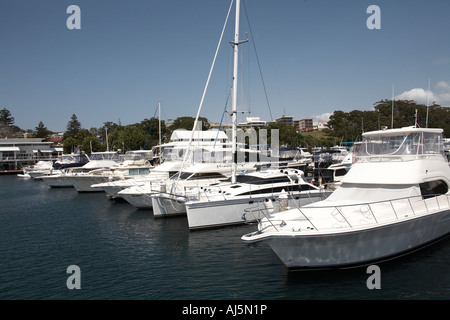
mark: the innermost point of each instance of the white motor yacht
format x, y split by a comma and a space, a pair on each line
226, 203
210, 150
70, 160
97, 160
41, 168
172, 190
171, 160
134, 164
193, 180
394, 200
159, 173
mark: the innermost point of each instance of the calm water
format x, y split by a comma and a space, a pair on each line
124, 253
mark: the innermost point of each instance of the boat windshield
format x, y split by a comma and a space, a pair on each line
173, 154
402, 144
72, 158
200, 155
138, 155
104, 156
249, 179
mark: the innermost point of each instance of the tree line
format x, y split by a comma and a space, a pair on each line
115, 136
349, 126
344, 126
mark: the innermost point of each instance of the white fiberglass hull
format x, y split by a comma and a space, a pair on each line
359, 247
230, 212
84, 183
57, 181
37, 174
113, 188
164, 206
138, 200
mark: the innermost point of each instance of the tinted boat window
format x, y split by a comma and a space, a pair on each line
257, 180
432, 188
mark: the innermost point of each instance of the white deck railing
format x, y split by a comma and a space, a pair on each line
357, 215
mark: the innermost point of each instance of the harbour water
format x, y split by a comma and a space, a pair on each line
124, 253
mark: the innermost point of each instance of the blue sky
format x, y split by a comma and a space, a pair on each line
315, 57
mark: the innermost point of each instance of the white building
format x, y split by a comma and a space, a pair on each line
252, 122
320, 125
16, 153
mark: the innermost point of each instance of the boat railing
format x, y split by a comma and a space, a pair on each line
394, 157
357, 215
257, 213
213, 192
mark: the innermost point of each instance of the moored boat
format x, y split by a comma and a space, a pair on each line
394, 200
226, 203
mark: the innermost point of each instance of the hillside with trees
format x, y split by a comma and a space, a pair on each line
344, 127
348, 126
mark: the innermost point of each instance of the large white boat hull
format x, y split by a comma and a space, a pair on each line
113, 189
57, 181
168, 206
84, 183
230, 212
138, 200
363, 247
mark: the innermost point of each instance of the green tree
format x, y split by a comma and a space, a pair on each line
286, 133
150, 127
130, 137
70, 145
6, 118
188, 123
41, 131
73, 127
7, 127
348, 126
91, 143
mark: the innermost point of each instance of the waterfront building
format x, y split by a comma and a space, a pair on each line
304, 125
16, 153
251, 122
286, 119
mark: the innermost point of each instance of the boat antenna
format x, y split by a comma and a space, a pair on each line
159, 115
428, 102
107, 143
151, 124
392, 118
415, 124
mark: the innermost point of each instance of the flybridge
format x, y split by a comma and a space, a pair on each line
210, 135
409, 141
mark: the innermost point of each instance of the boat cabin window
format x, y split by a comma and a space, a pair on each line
104, 156
340, 172
138, 155
257, 180
197, 175
433, 188
399, 144
138, 171
216, 155
172, 153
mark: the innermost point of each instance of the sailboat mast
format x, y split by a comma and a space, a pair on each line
107, 143
159, 116
234, 93
392, 117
